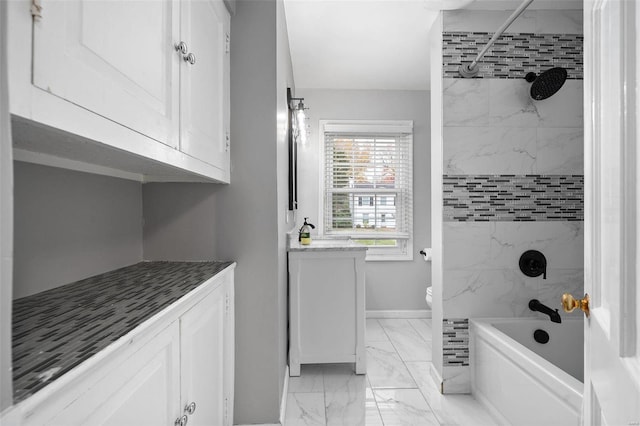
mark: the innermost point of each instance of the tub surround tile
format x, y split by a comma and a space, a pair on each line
465, 245
456, 380
558, 282
465, 102
559, 151
510, 104
56, 330
487, 293
506, 103
512, 55
305, 409
401, 407
407, 342
513, 150
564, 109
385, 368
513, 198
560, 242
455, 342
489, 150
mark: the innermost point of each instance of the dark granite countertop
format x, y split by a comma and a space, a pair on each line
56, 330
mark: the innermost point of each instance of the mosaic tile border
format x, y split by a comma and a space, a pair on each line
56, 330
455, 342
497, 198
513, 55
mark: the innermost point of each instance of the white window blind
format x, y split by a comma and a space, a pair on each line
368, 189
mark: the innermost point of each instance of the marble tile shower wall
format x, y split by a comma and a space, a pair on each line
495, 135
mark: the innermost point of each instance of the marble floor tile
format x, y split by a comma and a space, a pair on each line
392, 392
385, 369
423, 327
310, 379
305, 409
409, 344
375, 333
372, 414
450, 410
402, 407
345, 398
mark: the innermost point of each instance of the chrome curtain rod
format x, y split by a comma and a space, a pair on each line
472, 69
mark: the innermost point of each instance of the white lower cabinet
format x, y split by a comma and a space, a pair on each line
204, 362
143, 390
176, 374
327, 307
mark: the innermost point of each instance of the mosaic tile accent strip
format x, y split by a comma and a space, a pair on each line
506, 198
56, 330
455, 342
513, 55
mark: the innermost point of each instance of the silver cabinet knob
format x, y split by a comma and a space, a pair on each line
181, 421
191, 58
181, 47
190, 409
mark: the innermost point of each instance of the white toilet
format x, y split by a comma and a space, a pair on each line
429, 295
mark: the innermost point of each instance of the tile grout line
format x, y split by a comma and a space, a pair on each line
375, 400
411, 374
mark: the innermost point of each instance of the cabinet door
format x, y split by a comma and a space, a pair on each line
142, 390
115, 58
202, 359
229, 351
204, 85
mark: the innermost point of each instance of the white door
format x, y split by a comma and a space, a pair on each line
142, 390
202, 360
115, 58
612, 222
204, 83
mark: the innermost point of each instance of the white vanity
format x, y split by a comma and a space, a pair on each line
327, 304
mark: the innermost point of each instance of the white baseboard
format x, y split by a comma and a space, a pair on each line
437, 378
285, 392
418, 313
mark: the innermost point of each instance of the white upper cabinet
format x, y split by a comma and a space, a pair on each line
98, 85
114, 58
204, 82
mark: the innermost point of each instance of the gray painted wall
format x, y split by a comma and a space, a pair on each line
179, 221
286, 220
6, 224
399, 285
71, 225
247, 222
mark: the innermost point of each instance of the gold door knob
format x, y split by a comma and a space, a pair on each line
570, 303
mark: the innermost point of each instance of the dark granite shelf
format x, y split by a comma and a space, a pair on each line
56, 330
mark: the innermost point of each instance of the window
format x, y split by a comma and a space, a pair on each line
367, 178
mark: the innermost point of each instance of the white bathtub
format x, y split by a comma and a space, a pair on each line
523, 382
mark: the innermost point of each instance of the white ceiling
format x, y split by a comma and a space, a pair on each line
360, 44
373, 44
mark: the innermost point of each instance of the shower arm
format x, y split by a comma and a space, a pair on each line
472, 69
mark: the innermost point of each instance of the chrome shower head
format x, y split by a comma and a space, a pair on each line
546, 84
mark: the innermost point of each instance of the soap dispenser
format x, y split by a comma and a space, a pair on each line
304, 236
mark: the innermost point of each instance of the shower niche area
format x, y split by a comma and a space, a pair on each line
507, 172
